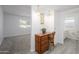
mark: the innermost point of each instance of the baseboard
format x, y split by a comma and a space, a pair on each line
32, 50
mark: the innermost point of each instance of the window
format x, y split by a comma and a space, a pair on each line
69, 23
23, 24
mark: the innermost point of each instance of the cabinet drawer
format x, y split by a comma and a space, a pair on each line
44, 42
44, 47
44, 38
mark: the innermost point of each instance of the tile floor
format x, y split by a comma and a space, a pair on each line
15, 45
69, 47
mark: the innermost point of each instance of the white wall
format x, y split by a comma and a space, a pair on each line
59, 27
12, 25
49, 22
77, 22
1, 25
35, 28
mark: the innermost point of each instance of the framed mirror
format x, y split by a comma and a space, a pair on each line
41, 18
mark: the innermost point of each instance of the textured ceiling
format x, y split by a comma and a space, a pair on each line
56, 7
22, 10
25, 10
